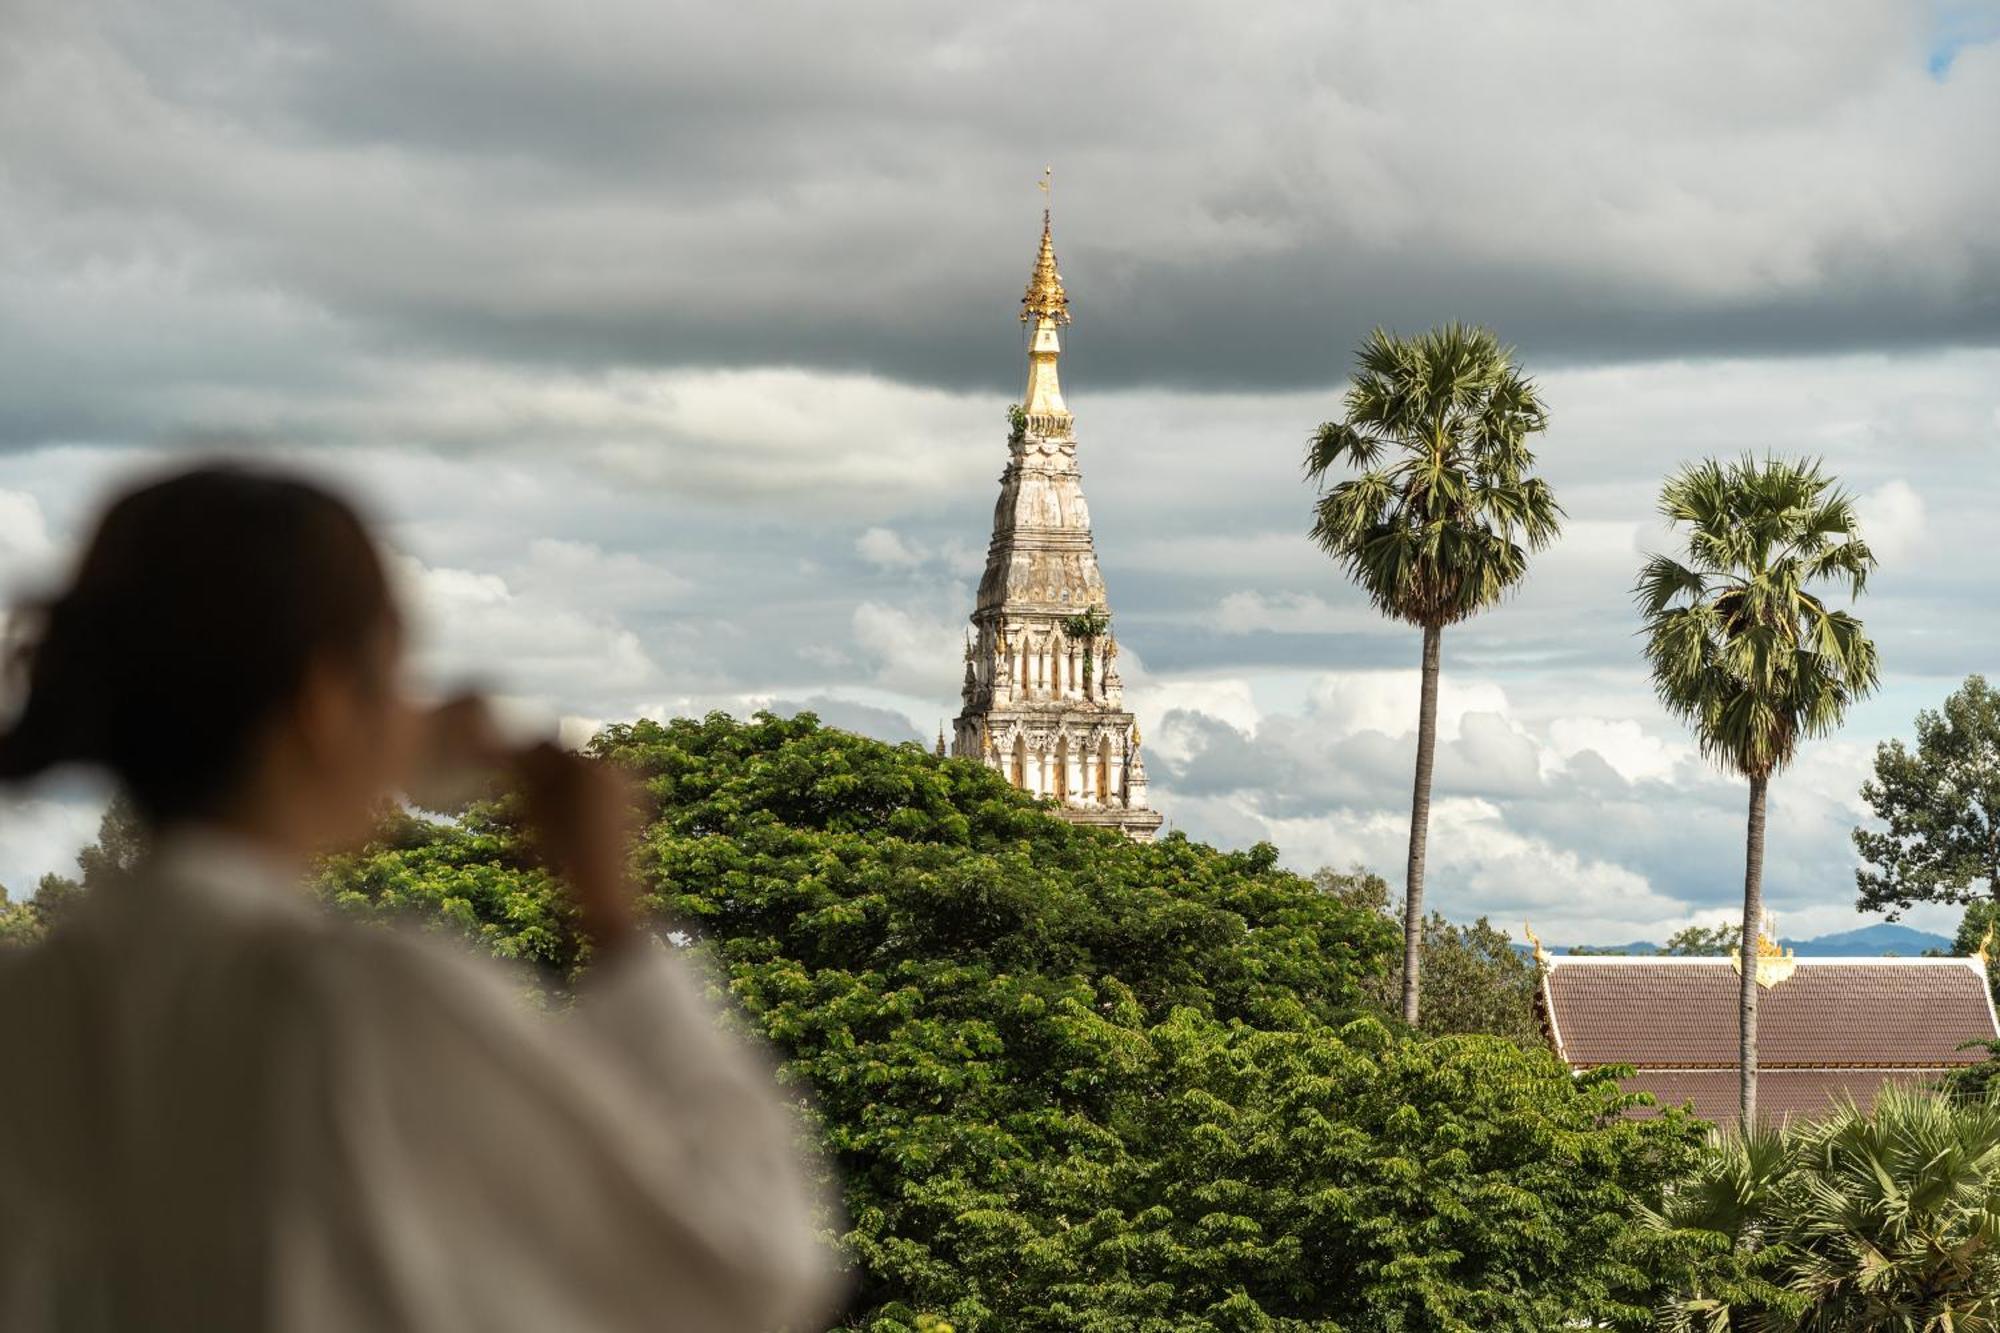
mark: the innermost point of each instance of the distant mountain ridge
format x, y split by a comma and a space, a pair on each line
1883, 939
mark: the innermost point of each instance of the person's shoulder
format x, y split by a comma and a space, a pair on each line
32, 969
415, 976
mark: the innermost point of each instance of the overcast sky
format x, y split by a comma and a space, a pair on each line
672, 344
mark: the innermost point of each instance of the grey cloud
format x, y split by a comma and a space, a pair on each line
1656, 850
682, 184
525, 273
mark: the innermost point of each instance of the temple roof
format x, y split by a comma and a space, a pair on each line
1782, 1094
1833, 1026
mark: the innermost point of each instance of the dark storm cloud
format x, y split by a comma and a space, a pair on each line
1241, 194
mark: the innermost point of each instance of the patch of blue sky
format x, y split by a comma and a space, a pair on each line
1956, 25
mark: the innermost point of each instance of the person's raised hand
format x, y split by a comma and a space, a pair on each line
460, 755
582, 817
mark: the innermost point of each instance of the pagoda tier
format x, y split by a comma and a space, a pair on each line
1043, 701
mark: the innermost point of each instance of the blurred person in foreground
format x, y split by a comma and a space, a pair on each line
224, 1110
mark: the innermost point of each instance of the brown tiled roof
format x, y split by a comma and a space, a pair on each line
1782, 1094
1890, 1013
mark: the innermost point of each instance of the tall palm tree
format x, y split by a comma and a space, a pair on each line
1440, 519
1744, 651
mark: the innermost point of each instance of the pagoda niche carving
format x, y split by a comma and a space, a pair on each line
1043, 701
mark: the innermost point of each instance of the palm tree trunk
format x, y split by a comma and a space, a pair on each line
1420, 825
1753, 922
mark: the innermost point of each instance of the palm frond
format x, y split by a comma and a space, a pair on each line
1440, 519
1739, 644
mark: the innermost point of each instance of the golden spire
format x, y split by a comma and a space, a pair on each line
1046, 307
1774, 963
1541, 954
1984, 953
1045, 298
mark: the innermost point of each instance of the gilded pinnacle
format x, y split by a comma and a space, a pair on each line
1774, 963
1045, 298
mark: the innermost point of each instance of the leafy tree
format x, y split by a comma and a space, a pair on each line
1880, 1221
1743, 649
474, 877
1359, 888
18, 923
1476, 980
1979, 931
56, 896
1703, 942
121, 839
1440, 519
1975, 1083
1940, 809
1980, 918
1069, 1082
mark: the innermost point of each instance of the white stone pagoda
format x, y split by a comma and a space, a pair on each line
1043, 700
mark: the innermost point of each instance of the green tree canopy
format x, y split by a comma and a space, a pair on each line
1703, 942
120, 841
1939, 807
1476, 981
1069, 1082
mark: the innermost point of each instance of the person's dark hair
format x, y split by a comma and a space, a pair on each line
200, 604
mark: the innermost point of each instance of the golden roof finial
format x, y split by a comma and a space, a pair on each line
1541, 954
1045, 297
1984, 953
1045, 308
1774, 963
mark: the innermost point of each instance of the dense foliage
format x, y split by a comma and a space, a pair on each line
1939, 809
1067, 1082
119, 843
1975, 1083
1475, 980
1703, 942
1885, 1221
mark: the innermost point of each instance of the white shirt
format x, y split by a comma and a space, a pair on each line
221, 1109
